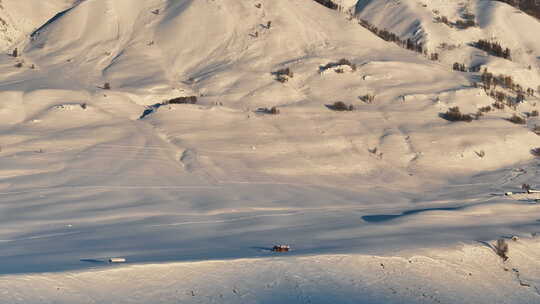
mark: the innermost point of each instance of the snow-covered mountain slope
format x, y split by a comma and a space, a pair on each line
155, 44
497, 21
19, 18
88, 173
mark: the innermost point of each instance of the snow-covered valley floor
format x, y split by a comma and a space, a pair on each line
464, 274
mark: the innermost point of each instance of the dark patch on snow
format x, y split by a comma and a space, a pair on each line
388, 217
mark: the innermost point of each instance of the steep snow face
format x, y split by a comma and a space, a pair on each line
20, 18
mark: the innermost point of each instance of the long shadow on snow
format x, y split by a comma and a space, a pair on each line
378, 218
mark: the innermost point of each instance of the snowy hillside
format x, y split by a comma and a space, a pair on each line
19, 18
494, 20
182, 131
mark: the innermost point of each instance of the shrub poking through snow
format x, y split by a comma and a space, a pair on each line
107, 86
368, 98
375, 152
283, 75
340, 106
501, 248
344, 61
536, 152
272, 111
183, 100
485, 109
517, 120
477, 115
498, 105
338, 64
459, 67
454, 114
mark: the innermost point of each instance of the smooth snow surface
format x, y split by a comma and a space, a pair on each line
84, 178
471, 274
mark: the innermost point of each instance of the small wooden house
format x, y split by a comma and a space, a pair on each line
281, 248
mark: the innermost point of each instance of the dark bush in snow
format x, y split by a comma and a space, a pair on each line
485, 109
368, 98
340, 62
501, 248
454, 114
183, 100
498, 105
517, 120
283, 75
272, 110
340, 106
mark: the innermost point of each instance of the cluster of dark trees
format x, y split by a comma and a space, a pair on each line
459, 67
505, 81
463, 68
328, 3
531, 7
501, 98
494, 48
461, 24
491, 83
391, 37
